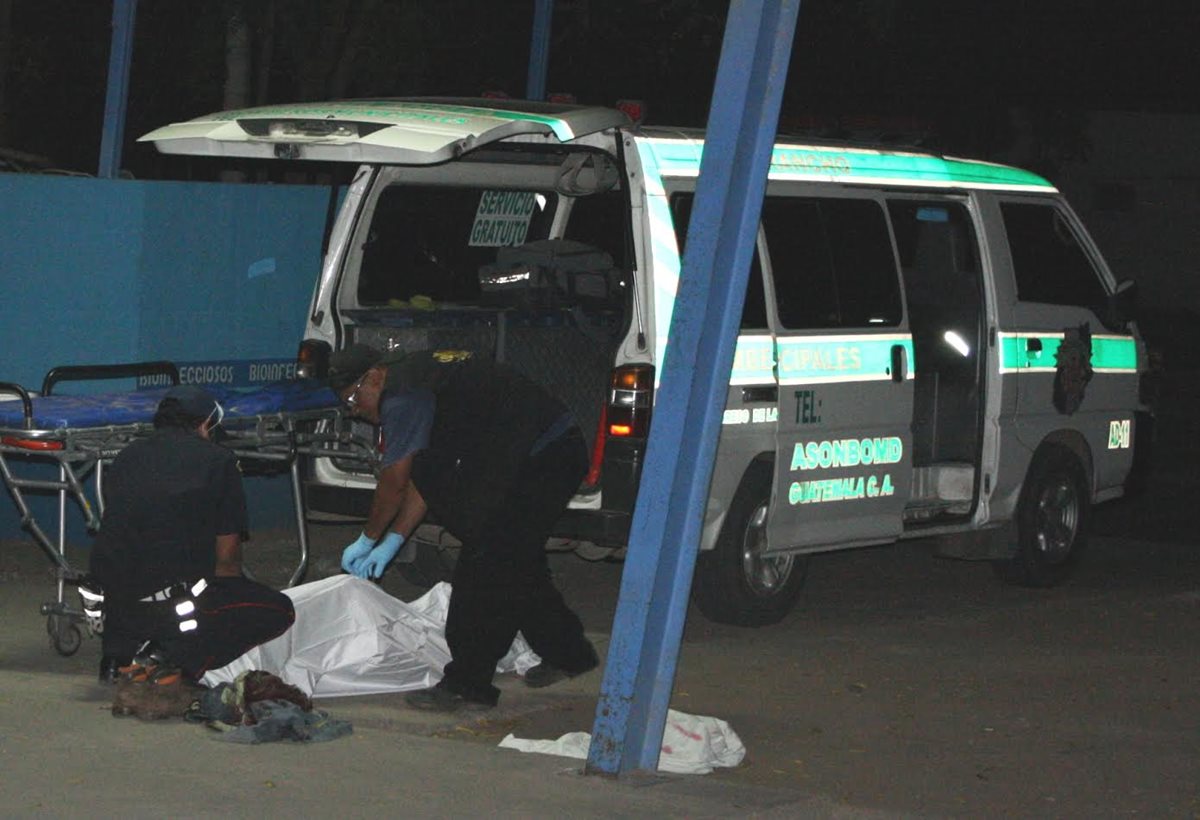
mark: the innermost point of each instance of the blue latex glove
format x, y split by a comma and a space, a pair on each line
376, 561
356, 552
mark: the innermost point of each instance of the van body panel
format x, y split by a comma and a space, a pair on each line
1072, 374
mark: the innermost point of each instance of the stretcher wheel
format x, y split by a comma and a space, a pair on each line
65, 636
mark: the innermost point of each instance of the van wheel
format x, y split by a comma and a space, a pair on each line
735, 583
1052, 517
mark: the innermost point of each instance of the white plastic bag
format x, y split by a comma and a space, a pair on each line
692, 744
352, 638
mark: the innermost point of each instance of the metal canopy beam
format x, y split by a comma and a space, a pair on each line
116, 99
665, 534
539, 50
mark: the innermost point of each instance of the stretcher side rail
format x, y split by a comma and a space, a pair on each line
61, 619
283, 438
97, 372
23, 394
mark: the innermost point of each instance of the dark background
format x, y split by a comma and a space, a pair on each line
947, 74
1026, 82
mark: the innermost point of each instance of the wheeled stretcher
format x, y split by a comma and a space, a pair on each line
276, 424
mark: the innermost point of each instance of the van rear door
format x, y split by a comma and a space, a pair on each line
416, 131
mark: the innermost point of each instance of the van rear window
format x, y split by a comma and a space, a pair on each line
431, 241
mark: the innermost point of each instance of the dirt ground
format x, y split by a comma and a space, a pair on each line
903, 683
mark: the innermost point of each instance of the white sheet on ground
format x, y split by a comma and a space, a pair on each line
352, 638
692, 744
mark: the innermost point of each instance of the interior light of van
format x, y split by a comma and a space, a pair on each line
540, 199
957, 342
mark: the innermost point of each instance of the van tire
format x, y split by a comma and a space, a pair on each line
734, 584
1052, 521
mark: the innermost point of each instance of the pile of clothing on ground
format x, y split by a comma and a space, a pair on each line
256, 707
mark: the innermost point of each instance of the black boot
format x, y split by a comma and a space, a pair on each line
110, 668
150, 661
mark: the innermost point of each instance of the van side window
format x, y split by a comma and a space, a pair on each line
1049, 264
832, 263
754, 311
431, 241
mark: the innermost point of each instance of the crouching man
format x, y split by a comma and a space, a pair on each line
169, 553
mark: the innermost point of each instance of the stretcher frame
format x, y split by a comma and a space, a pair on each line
281, 438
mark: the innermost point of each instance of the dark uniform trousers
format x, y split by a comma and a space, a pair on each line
233, 615
502, 585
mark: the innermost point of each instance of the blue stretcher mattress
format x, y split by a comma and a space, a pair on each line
112, 409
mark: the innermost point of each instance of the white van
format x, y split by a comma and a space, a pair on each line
929, 346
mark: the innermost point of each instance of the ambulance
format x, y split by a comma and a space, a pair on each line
930, 347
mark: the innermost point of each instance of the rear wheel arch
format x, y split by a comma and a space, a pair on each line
1076, 444
1052, 518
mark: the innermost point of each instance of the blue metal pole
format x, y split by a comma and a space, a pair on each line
539, 50
665, 534
117, 97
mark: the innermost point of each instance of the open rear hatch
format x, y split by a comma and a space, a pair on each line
414, 131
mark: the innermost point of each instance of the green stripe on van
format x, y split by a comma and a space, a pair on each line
753, 361
556, 124
850, 358
682, 158
1110, 354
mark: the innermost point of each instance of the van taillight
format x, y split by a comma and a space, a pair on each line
312, 359
630, 398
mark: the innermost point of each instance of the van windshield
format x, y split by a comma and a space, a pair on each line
431, 241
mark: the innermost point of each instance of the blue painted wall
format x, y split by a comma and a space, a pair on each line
104, 271
68, 267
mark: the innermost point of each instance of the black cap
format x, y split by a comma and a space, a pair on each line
346, 366
193, 400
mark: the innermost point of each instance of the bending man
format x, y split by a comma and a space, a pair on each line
495, 459
172, 532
